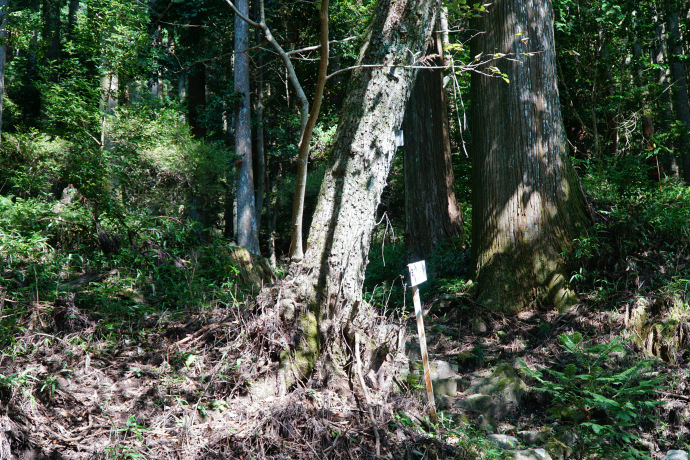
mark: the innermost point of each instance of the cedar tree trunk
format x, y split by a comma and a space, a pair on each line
527, 204
431, 211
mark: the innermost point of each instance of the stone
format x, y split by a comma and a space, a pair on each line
479, 326
497, 393
461, 420
676, 455
558, 450
536, 436
569, 438
504, 441
477, 403
445, 303
532, 454
486, 423
445, 387
441, 370
443, 402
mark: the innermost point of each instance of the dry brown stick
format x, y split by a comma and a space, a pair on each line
200, 332
366, 396
674, 395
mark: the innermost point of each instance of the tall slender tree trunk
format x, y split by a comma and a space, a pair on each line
259, 150
680, 91
611, 107
72, 10
329, 279
655, 171
4, 5
527, 204
431, 210
659, 57
247, 220
31, 109
51, 55
51, 30
196, 99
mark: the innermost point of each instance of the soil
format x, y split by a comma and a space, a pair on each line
181, 388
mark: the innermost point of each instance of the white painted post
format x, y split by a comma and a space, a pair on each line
418, 276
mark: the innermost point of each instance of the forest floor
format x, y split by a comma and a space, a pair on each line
174, 387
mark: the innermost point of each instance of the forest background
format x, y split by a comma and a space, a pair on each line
135, 169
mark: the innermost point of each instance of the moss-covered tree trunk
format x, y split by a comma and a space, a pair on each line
527, 203
329, 279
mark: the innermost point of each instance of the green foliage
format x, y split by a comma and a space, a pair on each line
157, 164
450, 259
467, 441
642, 230
384, 284
598, 391
30, 162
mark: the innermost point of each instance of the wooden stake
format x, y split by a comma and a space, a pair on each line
425, 357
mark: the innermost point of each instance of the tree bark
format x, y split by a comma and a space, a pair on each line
196, 99
72, 10
329, 279
659, 57
247, 221
31, 97
527, 204
610, 107
51, 30
259, 151
431, 210
305, 140
4, 5
680, 91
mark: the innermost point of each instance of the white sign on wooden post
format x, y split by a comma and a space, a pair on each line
417, 273
418, 276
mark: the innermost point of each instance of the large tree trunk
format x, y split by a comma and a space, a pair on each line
329, 279
247, 220
680, 91
431, 210
527, 203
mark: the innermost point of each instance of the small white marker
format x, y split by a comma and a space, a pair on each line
399, 138
418, 276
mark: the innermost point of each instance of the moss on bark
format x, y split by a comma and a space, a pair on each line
297, 363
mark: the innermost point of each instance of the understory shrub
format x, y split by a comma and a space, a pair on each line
600, 397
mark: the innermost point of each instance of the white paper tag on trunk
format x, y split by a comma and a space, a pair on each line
417, 273
399, 138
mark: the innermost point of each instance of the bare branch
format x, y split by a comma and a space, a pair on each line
242, 16
315, 47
